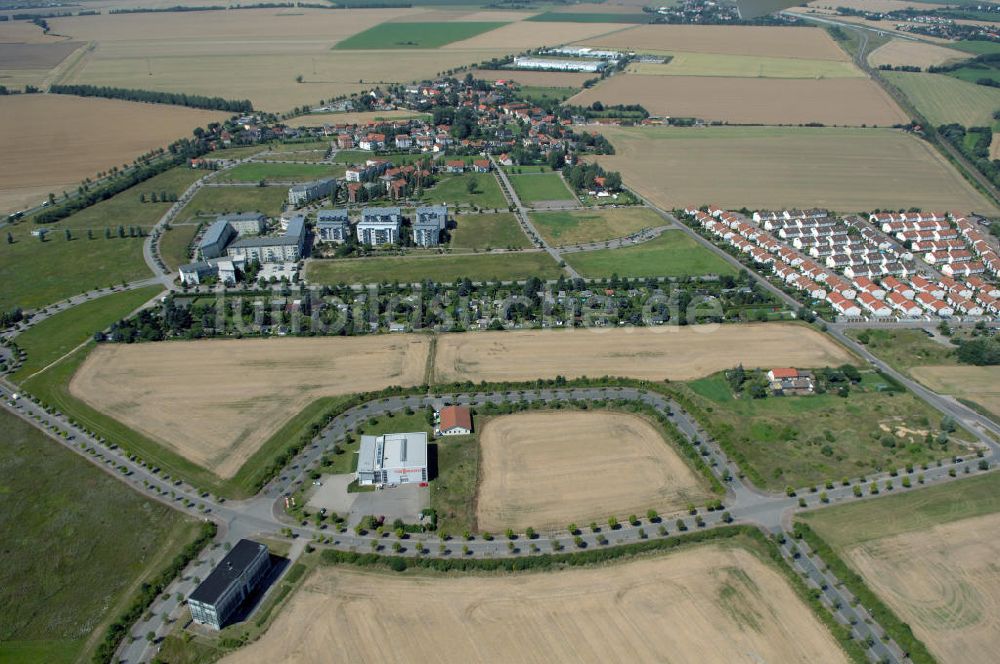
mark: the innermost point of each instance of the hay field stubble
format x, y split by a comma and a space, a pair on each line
215, 402
776, 42
677, 353
783, 167
52, 142
663, 608
548, 469
751, 100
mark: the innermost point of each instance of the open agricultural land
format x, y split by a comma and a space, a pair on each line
746, 66
980, 385
36, 273
66, 526
236, 394
52, 142
320, 119
746, 100
930, 556
672, 254
675, 353
582, 226
806, 440
914, 54
283, 57
786, 167
518, 265
546, 469
483, 232
773, 42
722, 595
943, 99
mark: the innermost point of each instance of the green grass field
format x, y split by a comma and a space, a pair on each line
973, 74
77, 543
35, 273
539, 94
904, 349
237, 153
255, 172
976, 47
849, 525
743, 66
454, 189
218, 200
801, 441
488, 231
361, 156
415, 35
54, 337
446, 269
673, 254
543, 187
944, 99
576, 227
174, 244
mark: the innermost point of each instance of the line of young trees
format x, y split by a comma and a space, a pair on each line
156, 97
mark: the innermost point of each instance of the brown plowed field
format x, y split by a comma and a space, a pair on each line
677, 353
216, 402
745, 100
548, 469
705, 605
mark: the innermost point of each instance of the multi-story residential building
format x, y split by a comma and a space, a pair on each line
301, 194
213, 242
273, 249
333, 225
245, 223
428, 222
380, 225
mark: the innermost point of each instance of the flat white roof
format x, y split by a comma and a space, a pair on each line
393, 451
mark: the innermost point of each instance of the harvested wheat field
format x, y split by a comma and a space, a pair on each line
530, 34
995, 147
877, 5
548, 469
978, 384
216, 402
944, 582
52, 142
777, 42
781, 168
915, 54
677, 353
750, 100
704, 605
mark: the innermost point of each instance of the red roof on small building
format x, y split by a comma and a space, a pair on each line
456, 417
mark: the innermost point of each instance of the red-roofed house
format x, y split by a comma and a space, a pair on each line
782, 373
455, 421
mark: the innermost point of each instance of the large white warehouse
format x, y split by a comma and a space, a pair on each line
395, 458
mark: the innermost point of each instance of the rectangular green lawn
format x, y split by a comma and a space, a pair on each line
488, 231
77, 543
540, 187
35, 273
256, 172
454, 190
58, 335
415, 35
174, 244
219, 200
673, 254
444, 269
580, 226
